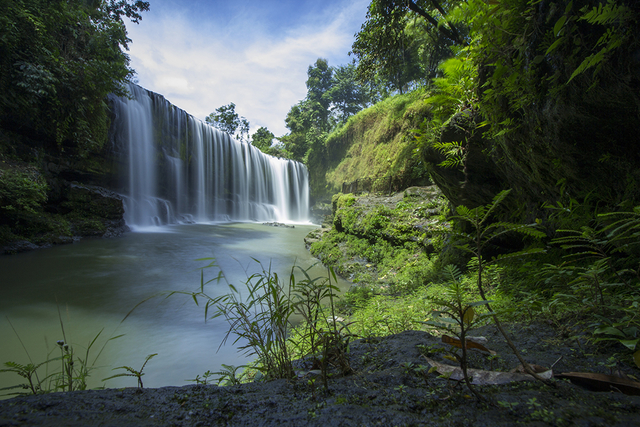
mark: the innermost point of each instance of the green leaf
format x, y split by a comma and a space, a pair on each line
469, 314
609, 331
559, 25
630, 344
589, 62
477, 303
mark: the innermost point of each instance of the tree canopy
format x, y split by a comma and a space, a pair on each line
262, 139
333, 95
58, 62
227, 120
402, 42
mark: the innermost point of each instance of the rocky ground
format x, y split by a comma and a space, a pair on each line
389, 386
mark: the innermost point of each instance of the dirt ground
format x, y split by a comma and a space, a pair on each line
390, 386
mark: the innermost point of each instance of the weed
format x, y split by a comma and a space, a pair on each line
264, 321
131, 372
204, 379
28, 372
459, 317
401, 388
74, 370
324, 334
228, 375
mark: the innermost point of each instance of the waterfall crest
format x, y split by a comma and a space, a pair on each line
176, 169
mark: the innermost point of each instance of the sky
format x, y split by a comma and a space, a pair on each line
203, 54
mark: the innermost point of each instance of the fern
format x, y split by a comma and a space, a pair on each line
613, 15
453, 151
454, 93
484, 232
131, 372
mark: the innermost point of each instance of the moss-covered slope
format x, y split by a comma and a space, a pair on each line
381, 241
378, 141
47, 197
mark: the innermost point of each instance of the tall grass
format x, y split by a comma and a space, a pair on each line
263, 320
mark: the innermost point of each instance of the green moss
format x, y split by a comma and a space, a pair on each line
377, 141
391, 248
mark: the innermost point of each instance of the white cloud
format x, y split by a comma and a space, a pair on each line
200, 68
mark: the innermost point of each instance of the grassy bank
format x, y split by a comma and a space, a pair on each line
396, 251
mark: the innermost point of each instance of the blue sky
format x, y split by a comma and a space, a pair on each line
204, 54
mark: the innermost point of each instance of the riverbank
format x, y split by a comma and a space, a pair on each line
388, 387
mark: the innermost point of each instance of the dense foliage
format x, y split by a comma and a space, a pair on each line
541, 98
402, 42
333, 95
59, 60
559, 92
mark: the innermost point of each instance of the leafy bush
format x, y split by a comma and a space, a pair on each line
22, 191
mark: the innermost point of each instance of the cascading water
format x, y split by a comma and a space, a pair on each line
179, 169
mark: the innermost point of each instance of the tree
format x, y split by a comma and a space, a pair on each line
262, 139
319, 82
333, 95
58, 62
227, 120
298, 121
346, 94
403, 41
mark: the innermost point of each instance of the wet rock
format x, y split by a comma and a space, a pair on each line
19, 246
278, 224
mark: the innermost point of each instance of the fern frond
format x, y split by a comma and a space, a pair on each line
518, 254
495, 203
507, 227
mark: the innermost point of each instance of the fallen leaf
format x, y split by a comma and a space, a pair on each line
481, 377
636, 358
470, 344
602, 382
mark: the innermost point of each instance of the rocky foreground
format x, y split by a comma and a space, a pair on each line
389, 387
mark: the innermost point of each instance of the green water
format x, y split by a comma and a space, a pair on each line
95, 283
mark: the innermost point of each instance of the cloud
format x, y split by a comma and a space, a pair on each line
199, 66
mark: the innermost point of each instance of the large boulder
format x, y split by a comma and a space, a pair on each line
477, 181
94, 211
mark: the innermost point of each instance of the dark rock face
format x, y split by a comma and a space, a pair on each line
583, 148
97, 212
478, 181
77, 201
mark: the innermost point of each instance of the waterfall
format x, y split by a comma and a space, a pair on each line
177, 169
